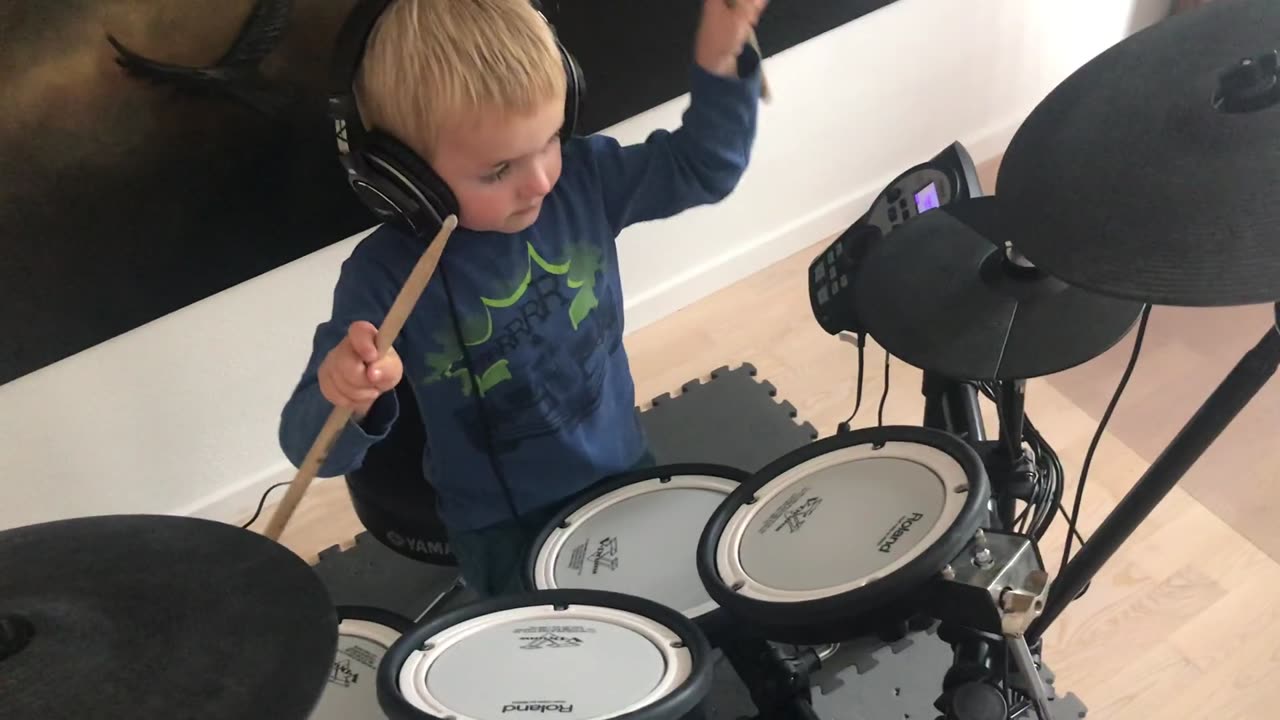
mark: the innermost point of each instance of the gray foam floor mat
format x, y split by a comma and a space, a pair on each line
734, 419
371, 574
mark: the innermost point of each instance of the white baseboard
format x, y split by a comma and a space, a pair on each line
237, 502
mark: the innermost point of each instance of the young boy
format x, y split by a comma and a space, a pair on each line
537, 402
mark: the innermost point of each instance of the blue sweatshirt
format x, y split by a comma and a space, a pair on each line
541, 312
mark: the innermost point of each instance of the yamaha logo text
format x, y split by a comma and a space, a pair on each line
427, 547
901, 528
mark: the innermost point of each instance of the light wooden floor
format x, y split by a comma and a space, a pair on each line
1186, 354
1182, 623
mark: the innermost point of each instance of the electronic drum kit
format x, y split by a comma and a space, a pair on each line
1145, 178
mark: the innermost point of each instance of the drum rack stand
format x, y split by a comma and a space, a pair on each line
733, 418
952, 406
984, 661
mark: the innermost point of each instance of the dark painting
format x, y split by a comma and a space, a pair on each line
125, 196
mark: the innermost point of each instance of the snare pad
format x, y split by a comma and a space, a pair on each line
844, 525
364, 636
637, 535
574, 654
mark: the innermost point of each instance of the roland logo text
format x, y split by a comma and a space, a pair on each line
899, 529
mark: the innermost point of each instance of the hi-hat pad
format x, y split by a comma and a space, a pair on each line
941, 295
1151, 172
136, 616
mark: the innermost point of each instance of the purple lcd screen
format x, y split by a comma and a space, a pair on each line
927, 199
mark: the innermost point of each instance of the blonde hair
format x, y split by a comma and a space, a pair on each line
428, 63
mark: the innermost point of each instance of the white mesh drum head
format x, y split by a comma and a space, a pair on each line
351, 693
580, 662
640, 539
841, 520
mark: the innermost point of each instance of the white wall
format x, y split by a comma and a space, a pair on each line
179, 416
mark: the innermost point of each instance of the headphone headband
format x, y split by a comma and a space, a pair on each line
348, 53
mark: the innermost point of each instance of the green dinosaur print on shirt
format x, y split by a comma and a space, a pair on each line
579, 271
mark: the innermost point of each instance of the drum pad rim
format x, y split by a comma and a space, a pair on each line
375, 615
677, 703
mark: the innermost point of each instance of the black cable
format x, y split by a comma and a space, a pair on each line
1049, 480
1049, 484
845, 426
486, 425
1097, 436
884, 397
1070, 527
1052, 474
262, 502
1021, 521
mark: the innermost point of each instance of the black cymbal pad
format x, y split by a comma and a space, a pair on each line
941, 296
1152, 172
135, 616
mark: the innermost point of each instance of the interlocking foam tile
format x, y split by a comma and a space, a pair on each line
732, 419
369, 573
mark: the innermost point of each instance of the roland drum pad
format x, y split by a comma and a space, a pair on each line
637, 535
835, 539
364, 636
573, 654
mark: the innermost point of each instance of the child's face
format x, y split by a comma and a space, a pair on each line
500, 167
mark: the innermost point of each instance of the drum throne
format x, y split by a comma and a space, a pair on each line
395, 501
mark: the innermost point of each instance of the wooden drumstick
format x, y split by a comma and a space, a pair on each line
765, 93
387, 334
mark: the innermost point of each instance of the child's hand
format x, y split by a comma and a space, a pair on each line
726, 25
352, 376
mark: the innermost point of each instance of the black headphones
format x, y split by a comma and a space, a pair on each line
392, 180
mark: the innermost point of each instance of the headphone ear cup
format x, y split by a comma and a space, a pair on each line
428, 198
